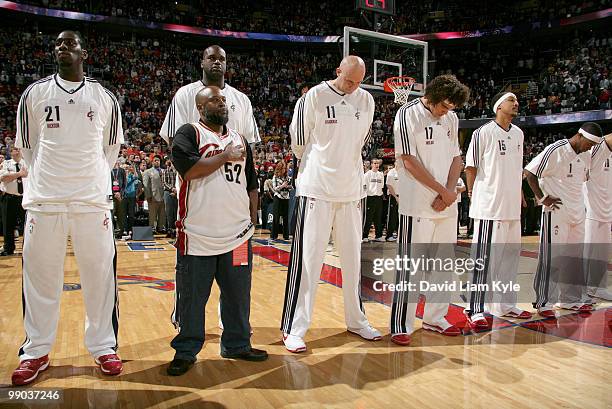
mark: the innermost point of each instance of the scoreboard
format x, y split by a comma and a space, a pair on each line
378, 6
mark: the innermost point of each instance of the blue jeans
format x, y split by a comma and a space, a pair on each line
194, 278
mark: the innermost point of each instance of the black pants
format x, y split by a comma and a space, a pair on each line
392, 217
280, 208
194, 278
119, 212
11, 212
266, 210
130, 203
171, 205
373, 215
530, 216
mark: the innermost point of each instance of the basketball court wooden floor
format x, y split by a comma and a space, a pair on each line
546, 364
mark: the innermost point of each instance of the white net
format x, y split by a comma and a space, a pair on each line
401, 87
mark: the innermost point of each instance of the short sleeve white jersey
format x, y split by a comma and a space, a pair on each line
433, 142
598, 188
561, 173
70, 133
374, 182
497, 155
183, 110
328, 131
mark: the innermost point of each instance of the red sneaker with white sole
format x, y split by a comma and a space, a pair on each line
547, 313
401, 339
109, 364
451, 331
28, 370
478, 322
520, 314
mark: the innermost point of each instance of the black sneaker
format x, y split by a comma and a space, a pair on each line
251, 355
178, 367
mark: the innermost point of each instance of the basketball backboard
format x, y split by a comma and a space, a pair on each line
387, 56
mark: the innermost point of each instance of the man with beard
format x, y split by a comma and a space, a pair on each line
183, 111
217, 213
494, 177
69, 130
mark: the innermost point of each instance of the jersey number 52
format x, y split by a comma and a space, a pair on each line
230, 171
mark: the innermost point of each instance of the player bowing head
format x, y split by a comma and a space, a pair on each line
589, 135
444, 93
350, 73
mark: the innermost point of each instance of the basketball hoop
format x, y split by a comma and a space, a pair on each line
401, 88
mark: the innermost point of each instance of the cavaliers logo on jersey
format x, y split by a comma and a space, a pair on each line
90, 115
106, 222
32, 223
210, 150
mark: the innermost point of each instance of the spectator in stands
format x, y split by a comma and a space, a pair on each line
132, 190
154, 194
170, 199
267, 200
281, 184
119, 183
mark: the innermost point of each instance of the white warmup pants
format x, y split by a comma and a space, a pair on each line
560, 275
597, 250
44, 251
314, 222
429, 238
498, 244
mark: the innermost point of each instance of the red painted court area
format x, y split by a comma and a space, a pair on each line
592, 328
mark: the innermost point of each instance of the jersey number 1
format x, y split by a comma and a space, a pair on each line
49, 111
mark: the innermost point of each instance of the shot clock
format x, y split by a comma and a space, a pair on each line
377, 6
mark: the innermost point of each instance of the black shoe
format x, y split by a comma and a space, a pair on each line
251, 355
4, 253
178, 367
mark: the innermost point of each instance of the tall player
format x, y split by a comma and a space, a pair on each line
69, 129
429, 164
556, 176
330, 126
182, 110
494, 166
598, 222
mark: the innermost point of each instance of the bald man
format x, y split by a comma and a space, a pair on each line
182, 110
217, 213
330, 125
